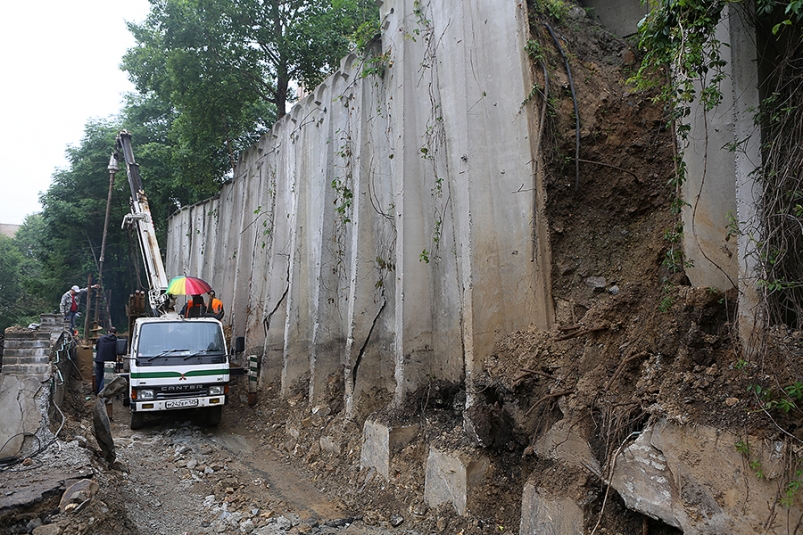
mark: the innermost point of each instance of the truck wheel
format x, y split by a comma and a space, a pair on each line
137, 420
213, 415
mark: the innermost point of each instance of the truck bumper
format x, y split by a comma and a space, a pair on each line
177, 404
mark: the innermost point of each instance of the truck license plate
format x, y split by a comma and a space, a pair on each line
181, 403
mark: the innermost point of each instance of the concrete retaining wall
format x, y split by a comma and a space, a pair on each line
386, 231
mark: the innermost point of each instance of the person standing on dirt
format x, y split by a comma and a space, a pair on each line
105, 351
69, 304
215, 308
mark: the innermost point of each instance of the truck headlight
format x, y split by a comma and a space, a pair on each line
145, 395
217, 390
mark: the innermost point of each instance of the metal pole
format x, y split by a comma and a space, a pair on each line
112, 170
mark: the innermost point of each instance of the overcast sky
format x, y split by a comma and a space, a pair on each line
59, 62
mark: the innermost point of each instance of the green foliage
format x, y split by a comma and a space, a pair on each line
214, 59
668, 299
20, 301
673, 259
680, 34
343, 201
375, 65
556, 9
72, 220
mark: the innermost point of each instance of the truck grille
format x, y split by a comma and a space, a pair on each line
180, 391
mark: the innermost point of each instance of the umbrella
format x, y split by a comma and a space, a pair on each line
188, 286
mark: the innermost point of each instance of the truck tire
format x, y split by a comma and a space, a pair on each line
213, 415
137, 420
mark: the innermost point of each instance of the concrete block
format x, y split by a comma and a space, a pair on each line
563, 443
677, 474
452, 478
380, 441
542, 513
19, 397
644, 481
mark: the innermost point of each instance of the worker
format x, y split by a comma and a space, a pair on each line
69, 304
105, 351
195, 307
215, 308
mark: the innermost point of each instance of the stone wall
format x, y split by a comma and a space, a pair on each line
386, 231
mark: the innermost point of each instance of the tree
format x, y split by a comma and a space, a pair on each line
21, 302
227, 68
73, 216
223, 56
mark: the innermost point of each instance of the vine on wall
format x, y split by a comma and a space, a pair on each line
678, 38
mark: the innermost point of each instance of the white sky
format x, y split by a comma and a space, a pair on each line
59, 66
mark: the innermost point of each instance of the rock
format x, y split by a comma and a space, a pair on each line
247, 526
191, 464
596, 283
101, 428
330, 445
282, 522
47, 529
323, 410
442, 524
396, 520
730, 402
704, 459
78, 493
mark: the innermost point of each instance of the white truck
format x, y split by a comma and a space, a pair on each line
172, 362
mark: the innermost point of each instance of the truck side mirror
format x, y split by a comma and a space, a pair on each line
122, 346
239, 344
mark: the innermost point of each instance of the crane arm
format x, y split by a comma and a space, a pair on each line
140, 219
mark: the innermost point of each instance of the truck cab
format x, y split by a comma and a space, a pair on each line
177, 363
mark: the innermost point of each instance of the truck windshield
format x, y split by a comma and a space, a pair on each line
180, 340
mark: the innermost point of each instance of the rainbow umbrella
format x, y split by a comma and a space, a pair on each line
187, 286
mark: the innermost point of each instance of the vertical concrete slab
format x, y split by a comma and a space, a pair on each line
452, 478
407, 122
369, 362
242, 249
280, 200
257, 224
746, 100
710, 190
300, 302
332, 170
491, 156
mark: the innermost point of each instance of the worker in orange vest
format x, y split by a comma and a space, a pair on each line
195, 307
215, 308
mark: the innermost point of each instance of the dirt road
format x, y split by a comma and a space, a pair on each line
184, 478
177, 477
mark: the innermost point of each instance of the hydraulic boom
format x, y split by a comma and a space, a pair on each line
140, 220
